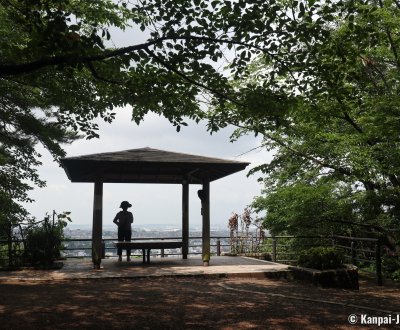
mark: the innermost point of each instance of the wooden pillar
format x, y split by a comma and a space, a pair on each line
97, 229
185, 219
205, 206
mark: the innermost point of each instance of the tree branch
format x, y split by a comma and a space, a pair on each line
309, 157
392, 45
379, 228
351, 121
15, 69
190, 80
72, 59
394, 180
97, 76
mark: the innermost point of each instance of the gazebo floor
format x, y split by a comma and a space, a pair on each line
224, 267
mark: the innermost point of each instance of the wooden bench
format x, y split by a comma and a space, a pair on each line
147, 246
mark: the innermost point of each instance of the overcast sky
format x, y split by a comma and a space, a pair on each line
152, 204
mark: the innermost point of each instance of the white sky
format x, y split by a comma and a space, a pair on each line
152, 204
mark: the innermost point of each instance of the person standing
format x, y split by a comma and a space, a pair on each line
123, 220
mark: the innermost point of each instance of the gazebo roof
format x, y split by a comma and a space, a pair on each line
147, 165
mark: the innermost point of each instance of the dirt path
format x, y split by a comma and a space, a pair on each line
187, 303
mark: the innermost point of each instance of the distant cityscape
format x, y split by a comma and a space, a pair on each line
78, 240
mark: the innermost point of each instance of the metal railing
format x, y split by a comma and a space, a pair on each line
218, 245
359, 251
362, 250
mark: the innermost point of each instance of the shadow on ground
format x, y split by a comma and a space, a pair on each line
187, 303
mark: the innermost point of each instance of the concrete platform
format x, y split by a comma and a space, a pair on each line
223, 266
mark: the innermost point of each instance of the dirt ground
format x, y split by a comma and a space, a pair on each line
189, 303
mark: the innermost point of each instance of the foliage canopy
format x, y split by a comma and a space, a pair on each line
317, 79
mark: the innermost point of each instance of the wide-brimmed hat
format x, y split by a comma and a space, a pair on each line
125, 204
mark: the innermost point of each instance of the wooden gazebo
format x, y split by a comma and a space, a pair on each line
147, 165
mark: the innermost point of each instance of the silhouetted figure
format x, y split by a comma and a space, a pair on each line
123, 220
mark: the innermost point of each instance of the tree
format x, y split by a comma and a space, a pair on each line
327, 103
318, 79
59, 71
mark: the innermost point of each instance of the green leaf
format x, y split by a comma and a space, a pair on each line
301, 7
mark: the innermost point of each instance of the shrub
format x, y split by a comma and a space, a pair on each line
321, 258
391, 266
43, 240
